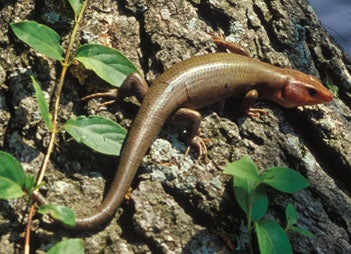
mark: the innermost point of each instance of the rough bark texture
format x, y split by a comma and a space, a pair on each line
179, 205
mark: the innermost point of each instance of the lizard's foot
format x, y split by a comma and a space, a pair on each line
200, 145
112, 94
231, 46
255, 112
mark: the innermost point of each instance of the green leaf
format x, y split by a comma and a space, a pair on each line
43, 106
69, 246
12, 177
108, 63
259, 204
243, 190
302, 231
291, 215
246, 185
242, 198
99, 133
60, 213
244, 168
284, 179
39, 37
271, 238
30, 183
76, 6
259, 201
11, 169
9, 189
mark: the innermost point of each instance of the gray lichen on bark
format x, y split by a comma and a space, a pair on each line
179, 205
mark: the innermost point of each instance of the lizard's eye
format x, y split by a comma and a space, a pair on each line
312, 92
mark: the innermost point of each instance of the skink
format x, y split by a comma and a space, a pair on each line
187, 86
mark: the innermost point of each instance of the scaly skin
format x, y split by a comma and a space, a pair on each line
190, 85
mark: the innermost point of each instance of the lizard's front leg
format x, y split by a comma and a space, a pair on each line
248, 102
231, 46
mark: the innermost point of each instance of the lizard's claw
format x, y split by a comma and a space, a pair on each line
112, 94
200, 145
256, 112
217, 37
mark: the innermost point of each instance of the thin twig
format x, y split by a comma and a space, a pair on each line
27, 238
65, 65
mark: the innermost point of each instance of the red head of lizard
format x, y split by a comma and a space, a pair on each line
299, 89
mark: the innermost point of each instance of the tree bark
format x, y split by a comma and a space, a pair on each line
179, 205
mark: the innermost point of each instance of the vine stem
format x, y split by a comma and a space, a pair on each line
65, 65
249, 218
27, 238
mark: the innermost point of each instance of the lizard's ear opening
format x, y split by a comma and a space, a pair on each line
294, 95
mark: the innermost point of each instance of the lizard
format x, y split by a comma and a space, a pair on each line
187, 86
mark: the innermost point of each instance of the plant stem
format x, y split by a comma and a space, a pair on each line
30, 216
58, 91
65, 66
249, 218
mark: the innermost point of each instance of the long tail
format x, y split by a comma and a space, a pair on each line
139, 139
